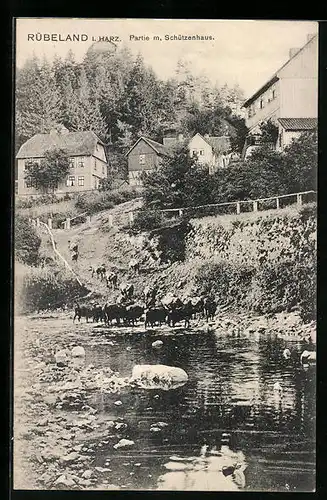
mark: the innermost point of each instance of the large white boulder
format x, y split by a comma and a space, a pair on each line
159, 376
78, 352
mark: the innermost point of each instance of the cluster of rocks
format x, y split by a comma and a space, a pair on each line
63, 433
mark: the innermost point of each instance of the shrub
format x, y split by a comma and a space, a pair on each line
146, 220
46, 288
171, 241
27, 242
104, 200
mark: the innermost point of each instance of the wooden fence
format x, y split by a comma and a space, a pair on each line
238, 207
233, 207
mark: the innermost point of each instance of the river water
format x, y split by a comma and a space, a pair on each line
227, 413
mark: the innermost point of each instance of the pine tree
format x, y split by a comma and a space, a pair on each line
37, 99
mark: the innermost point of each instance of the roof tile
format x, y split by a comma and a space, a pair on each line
74, 143
298, 123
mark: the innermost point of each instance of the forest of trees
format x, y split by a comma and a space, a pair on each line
119, 97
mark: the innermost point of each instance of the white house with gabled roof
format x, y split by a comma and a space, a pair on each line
87, 156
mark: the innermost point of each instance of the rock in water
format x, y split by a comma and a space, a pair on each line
308, 357
61, 358
286, 353
162, 376
157, 343
78, 352
123, 443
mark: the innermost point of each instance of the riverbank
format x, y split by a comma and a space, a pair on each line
59, 425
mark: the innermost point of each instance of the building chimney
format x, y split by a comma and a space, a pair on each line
206, 136
292, 52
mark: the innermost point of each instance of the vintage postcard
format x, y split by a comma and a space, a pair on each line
165, 254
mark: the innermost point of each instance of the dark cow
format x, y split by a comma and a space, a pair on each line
82, 312
93, 270
198, 306
127, 290
155, 315
74, 256
101, 272
111, 279
98, 314
134, 266
177, 314
114, 311
209, 308
133, 313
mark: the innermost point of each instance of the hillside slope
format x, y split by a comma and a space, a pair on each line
263, 262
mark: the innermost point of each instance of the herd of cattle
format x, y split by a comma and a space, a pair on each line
153, 311
110, 277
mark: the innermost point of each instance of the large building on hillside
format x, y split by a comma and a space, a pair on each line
87, 156
290, 93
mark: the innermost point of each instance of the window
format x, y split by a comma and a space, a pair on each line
194, 152
29, 182
30, 161
262, 104
71, 162
81, 161
201, 152
274, 94
71, 180
142, 159
81, 180
103, 170
95, 164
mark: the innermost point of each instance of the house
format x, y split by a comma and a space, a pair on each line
290, 93
144, 156
210, 150
87, 157
292, 128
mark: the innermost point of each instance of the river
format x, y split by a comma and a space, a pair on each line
229, 412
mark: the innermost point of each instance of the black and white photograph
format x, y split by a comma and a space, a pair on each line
165, 248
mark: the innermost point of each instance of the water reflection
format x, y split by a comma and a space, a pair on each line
211, 471
231, 387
